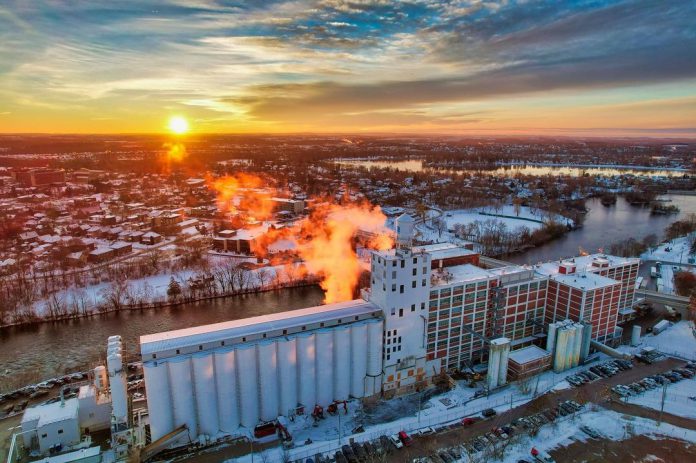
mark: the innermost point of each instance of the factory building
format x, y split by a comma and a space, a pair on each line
621, 269
585, 297
429, 309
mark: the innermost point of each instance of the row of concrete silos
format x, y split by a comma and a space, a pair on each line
569, 343
219, 390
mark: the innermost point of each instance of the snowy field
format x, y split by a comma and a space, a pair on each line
676, 399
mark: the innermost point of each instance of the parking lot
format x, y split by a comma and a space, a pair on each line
597, 391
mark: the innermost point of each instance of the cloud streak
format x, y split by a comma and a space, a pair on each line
338, 65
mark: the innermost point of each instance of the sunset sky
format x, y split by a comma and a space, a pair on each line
489, 67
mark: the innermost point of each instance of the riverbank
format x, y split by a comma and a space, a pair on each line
157, 304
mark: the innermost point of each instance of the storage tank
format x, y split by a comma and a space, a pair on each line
493, 366
159, 400
247, 377
101, 380
577, 347
504, 357
569, 346
635, 335
227, 389
182, 394
358, 359
117, 382
342, 364
306, 358
374, 357
324, 367
559, 362
206, 395
551, 339
287, 369
586, 339
268, 380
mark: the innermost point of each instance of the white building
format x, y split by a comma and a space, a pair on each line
214, 379
51, 426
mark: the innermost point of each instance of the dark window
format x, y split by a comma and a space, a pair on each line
222, 343
413, 284
178, 352
43, 436
285, 331
413, 307
244, 339
414, 272
422, 305
401, 312
264, 335
393, 263
60, 431
200, 347
415, 261
403, 263
304, 328
154, 356
401, 289
321, 324
387, 357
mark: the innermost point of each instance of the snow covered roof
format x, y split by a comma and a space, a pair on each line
444, 250
584, 281
247, 327
528, 354
461, 273
51, 413
585, 263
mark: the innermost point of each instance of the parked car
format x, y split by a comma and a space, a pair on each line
405, 438
396, 441
489, 412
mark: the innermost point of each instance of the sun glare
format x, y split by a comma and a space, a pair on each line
178, 125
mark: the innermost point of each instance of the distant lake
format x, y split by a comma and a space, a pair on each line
416, 165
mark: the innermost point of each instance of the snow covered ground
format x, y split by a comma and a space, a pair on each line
679, 339
679, 251
676, 398
609, 424
531, 218
402, 414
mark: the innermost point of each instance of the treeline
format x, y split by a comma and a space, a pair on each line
495, 238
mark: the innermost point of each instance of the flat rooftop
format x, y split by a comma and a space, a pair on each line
584, 263
444, 251
528, 354
51, 413
248, 327
585, 281
460, 274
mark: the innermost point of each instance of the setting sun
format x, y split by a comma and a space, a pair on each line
178, 125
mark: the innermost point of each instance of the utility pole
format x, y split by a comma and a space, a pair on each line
339, 426
662, 403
